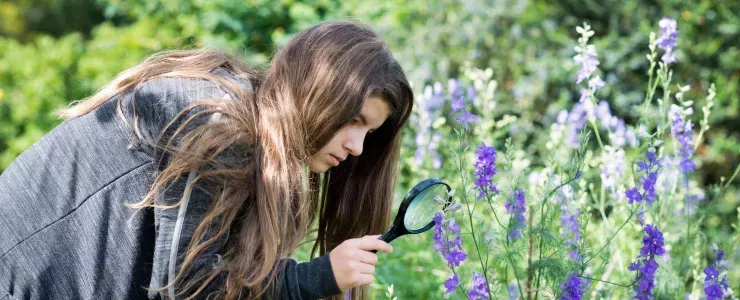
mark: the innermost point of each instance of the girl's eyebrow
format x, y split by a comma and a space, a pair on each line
363, 119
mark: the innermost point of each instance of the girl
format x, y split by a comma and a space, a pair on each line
192, 175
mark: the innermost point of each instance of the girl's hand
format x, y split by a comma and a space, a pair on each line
353, 263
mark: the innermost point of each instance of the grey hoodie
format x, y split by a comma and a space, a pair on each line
65, 232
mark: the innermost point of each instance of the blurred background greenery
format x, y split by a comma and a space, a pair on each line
56, 51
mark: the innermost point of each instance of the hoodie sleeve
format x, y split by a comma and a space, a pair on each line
314, 279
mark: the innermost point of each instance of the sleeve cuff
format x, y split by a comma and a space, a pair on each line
316, 278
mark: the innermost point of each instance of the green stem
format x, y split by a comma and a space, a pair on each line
463, 180
737, 169
513, 267
609, 282
542, 208
632, 213
596, 130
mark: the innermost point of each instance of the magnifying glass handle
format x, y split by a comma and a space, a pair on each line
387, 237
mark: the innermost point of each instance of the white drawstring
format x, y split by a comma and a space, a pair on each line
181, 218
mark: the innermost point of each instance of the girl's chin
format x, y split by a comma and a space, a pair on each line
318, 168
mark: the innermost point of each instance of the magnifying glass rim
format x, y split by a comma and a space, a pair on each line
415, 191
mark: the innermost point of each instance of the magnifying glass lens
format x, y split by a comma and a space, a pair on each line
424, 206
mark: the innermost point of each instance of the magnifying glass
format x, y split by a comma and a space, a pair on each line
418, 208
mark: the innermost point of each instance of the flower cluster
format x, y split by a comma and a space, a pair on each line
650, 166
426, 141
586, 54
479, 287
667, 40
573, 287
652, 245
573, 121
516, 207
447, 239
485, 168
447, 242
682, 131
714, 286
569, 220
611, 172
458, 104
619, 134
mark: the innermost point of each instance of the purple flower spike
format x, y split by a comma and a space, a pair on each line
652, 243
485, 168
714, 286
668, 39
573, 287
651, 166
646, 265
516, 207
447, 240
479, 289
682, 131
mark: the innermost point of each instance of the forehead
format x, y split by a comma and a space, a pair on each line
375, 110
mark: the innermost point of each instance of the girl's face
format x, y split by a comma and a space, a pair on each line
349, 140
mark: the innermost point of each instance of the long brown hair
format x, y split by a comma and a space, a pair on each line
266, 199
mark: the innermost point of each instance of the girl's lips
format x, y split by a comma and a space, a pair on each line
334, 160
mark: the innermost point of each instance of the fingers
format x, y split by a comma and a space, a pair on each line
365, 279
367, 257
371, 242
365, 268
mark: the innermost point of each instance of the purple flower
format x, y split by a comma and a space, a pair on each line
455, 88
573, 287
513, 291
516, 207
682, 131
613, 168
457, 104
668, 39
652, 245
447, 240
641, 217
466, 119
715, 287
569, 220
472, 94
669, 57
586, 58
575, 255
574, 121
457, 94
668, 33
596, 83
570, 227
485, 168
434, 97
651, 166
633, 195
479, 288
456, 257
451, 284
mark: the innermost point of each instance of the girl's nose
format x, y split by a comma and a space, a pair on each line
354, 143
